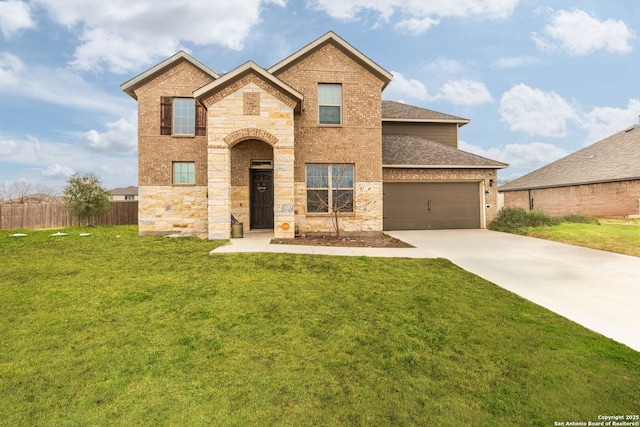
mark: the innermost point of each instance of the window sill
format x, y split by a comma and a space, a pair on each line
329, 214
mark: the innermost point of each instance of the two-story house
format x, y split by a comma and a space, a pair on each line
283, 147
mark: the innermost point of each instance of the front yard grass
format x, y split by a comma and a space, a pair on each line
108, 330
608, 236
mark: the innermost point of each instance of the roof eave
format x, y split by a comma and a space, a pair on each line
246, 68
445, 166
570, 184
461, 122
130, 86
383, 74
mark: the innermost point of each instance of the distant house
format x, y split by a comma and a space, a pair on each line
602, 179
125, 193
279, 148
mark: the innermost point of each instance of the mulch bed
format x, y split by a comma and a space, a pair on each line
378, 241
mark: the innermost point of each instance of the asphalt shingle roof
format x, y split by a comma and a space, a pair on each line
123, 191
408, 150
396, 110
616, 158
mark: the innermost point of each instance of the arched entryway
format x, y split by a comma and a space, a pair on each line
252, 183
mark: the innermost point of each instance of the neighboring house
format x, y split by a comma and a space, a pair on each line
602, 179
124, 194
273, 147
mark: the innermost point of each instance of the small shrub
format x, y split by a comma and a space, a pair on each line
517, 220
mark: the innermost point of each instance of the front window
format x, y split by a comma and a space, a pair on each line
329, 188
184, 173
184, 116
330, 104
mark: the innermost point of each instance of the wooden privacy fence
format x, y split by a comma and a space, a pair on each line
54, 215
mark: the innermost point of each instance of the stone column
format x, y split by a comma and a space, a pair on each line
283, 215
219, 192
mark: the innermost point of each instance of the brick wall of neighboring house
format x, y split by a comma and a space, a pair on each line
621, 198
160, 202
358, 140
443, 175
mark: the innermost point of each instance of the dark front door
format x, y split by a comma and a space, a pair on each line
261, 198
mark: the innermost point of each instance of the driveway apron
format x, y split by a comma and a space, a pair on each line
599, 290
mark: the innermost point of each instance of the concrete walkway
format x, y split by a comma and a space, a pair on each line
599, 290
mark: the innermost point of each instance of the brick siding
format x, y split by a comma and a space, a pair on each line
614, 199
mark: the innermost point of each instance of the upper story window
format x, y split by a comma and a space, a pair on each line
182, 116
330, 104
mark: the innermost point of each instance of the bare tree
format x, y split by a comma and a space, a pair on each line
18, 190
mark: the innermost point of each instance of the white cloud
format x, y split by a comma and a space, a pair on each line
14, 16
121, 35
445, 66
49, 162
602, 122
8, 147
417, 26
121, 136
579, 33
535, 111
57, 172
465, 92
515, 61
416, 16
11, 68
57, 86
402, 87
525, 157
458, 92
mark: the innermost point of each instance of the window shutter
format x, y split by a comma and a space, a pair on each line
201, 120
166, 108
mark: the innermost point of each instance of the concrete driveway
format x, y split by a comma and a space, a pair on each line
597, 289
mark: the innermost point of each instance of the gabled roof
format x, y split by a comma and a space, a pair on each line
130, 86
244, 69
393, 111
123, 191
408, 151
332, 37
616, 158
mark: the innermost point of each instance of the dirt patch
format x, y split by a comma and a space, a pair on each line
378, 241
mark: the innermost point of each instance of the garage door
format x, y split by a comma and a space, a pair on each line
431, 205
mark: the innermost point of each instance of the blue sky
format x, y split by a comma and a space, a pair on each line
538, 79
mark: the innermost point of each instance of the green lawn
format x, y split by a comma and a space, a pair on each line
108, 330
609, 236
